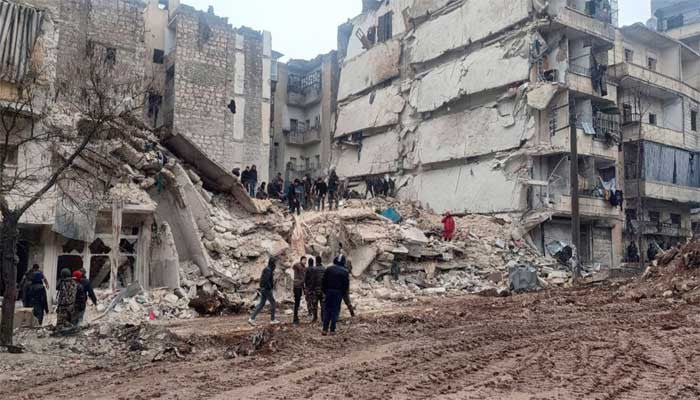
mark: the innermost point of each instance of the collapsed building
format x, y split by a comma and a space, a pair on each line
477, 117
205, 88
304, 112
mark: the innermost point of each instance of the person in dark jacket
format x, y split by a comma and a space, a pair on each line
245, 177
87, 286
293, 198
336, 283
253, 180
314, 289
36, 297
333, 187
320, 191
26, 282
299, 280
267, 284
262, 192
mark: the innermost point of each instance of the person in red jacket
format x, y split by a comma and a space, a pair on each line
448, 224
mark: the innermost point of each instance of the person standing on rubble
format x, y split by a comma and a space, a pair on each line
314, 290
87, 287
321, 189
346, 296
299, 280
448, 225
336, 283
36, 297
267, 284
65, 312
333, 186
245, 177
253, 180
293, 198
262, 192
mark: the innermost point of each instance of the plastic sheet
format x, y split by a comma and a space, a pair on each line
671, 165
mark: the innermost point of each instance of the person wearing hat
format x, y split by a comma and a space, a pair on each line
336, 282
36, 297
266, 285
81, 298
65, 312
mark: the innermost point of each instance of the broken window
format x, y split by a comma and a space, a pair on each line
384, 30
676, 220
651, 63
110, 56
629, 55
158, 56
694, 121
654, 216
10, 153
652, 119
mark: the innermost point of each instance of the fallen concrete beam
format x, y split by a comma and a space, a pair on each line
489, 68
473, 21
372, 67
375, 110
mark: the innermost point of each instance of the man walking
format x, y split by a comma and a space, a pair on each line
299, 280
65, 312
336, 283
267, 284
321, 189
293, 198
314, 290
36, 297
81, 298
333, 183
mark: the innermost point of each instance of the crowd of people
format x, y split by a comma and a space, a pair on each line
324, 289
72, 294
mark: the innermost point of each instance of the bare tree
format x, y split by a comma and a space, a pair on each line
54, 125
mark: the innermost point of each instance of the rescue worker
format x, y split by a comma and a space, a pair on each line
299, 280
448, 224
36, 297
267, 284
314, 290
336, 283
65, 312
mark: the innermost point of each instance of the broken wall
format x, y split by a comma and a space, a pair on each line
378, 154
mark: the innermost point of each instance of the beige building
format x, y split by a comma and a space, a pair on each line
304, 114
476, 117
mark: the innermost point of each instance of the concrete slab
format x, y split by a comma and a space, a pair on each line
372, 67
377, 109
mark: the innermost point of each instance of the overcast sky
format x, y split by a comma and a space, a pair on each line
306, 28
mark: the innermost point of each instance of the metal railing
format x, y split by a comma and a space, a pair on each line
303, 167
304, 137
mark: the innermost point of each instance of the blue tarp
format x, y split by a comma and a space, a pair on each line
392, 214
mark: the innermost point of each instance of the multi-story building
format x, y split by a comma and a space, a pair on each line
214, 83
473, 116
658, 96
304, 112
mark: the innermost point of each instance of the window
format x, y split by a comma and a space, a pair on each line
652, 119
372, 35
10, 153
158, 56
651, 63
384, 31
626, 113
293, 125
654, 216
110, 55
318, 160
676, 220
694, 121
629, 55
674, 22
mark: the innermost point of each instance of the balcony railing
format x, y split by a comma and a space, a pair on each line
605, 127
303, 167
600, 10
304, 137
656, 228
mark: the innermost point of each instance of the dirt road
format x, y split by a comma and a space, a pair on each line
584, 344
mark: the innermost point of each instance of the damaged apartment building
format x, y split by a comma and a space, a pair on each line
207, 86
304, 93
658, 70
470, 105
214, 82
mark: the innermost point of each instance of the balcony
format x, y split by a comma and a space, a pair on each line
663, 86
635, 130
579, 80
655, 228
590, 207
303, 168
303, 136
588, 145
663, 191
597, 24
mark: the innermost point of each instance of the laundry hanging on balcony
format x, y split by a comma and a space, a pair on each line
19, 29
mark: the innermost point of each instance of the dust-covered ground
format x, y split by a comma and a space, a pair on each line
577, 344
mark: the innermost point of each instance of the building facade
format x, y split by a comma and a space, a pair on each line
303, 118
213, 83
475, 117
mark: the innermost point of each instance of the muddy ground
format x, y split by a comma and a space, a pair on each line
575, 344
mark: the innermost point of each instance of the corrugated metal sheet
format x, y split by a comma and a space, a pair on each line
19, 29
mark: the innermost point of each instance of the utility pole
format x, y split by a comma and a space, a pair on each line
575, 212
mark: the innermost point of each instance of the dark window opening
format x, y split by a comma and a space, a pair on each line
626, 113
654, 216
232, 106
385, 31
674, 22
155, 101
10, 153
293, 125
676, 220
170, 74
629, 55
694, 121
110, 55
651, 63
372, 35
158, 56
652, 119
